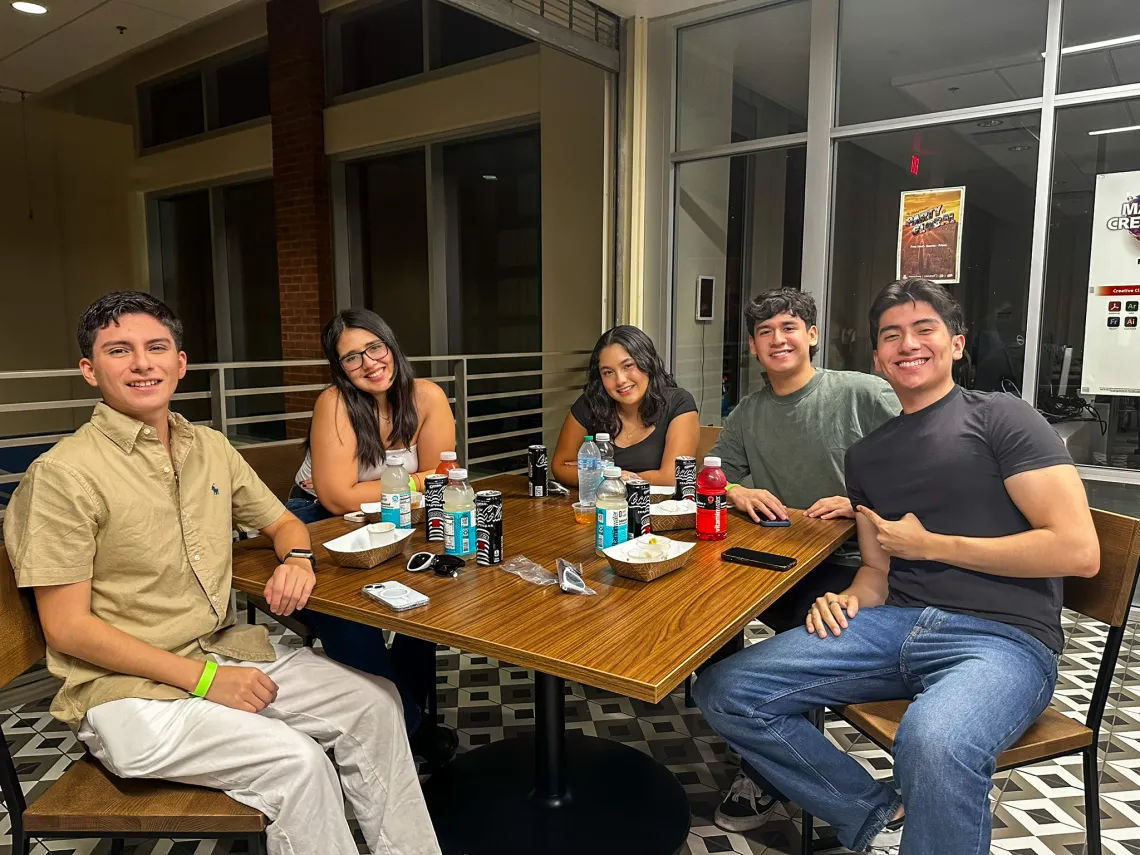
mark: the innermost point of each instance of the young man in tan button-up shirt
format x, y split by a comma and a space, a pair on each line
124, 532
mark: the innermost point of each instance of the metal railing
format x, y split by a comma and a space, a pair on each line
479, 398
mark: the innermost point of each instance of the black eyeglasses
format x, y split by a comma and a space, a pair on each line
376, 351
443, 565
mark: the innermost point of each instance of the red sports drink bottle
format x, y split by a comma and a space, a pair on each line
712, 501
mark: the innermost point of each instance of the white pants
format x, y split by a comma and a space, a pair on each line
275, 760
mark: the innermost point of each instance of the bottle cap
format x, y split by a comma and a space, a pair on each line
611, 472
447, 455
457, 475
714, 462
394, 458
603, 437
589, 438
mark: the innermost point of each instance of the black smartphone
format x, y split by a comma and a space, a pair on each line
775, 523
766, 560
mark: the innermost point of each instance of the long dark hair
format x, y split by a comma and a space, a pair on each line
363, 411
603, 408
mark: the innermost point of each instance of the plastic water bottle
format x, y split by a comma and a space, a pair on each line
446, 463
589, 472
613, 510
712, 501
458, 515
395, 492
605, 449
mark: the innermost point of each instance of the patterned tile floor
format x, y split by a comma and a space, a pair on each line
1036, 810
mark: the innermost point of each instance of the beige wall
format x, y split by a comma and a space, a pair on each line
498, 93
73, 247
573, 199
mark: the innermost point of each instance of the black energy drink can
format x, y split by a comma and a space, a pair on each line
685, 472
637, 497
538, 465
489, 527
433, 507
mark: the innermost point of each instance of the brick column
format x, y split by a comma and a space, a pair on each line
300, 190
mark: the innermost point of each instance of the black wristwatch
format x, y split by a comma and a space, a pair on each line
302, 553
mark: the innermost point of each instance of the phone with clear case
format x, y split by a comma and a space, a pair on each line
395, 595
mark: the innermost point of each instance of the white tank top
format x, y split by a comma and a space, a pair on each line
364, 473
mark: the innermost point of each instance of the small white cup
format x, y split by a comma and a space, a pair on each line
381, 533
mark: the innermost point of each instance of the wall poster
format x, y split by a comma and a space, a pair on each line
930, 234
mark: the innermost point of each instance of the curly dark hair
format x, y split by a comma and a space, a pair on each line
782, 301
110, 307
362, 408
603, 408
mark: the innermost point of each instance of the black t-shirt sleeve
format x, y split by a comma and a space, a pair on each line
1021, 439
851, 476
580, 410
678, 402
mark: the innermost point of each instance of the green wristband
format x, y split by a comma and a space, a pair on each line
730, 486
206, 680
412, 483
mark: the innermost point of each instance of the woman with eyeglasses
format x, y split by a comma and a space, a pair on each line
375, 406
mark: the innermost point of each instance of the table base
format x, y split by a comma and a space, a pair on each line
617, 800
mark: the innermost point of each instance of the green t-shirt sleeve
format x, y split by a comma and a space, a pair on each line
880, 408
729, 447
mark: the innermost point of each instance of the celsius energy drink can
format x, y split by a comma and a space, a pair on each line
685, 471
637, 497
433, 507
537, 471
489, 527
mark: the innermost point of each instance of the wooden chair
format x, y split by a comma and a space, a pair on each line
276, 465
1105, 597
88, 801
709, 436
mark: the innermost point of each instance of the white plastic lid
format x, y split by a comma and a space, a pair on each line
447, 455
602, 437
394, 458
612, 472
457, 474
714, 462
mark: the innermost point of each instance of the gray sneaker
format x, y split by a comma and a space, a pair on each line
887, 841
745, 807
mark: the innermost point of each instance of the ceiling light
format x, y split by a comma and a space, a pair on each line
29, 8
989, 123
1020, 147
490, 177
1114, 130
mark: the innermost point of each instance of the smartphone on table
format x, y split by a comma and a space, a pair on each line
753, 558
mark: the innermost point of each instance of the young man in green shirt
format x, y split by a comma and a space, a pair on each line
784, 447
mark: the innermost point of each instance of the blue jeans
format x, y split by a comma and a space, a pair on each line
411, 662
976, 684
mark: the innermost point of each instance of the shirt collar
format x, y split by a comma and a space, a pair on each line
124, 431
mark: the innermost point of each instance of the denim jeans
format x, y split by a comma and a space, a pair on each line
976, 685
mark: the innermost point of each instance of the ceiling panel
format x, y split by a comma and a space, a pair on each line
87, 41
18, 29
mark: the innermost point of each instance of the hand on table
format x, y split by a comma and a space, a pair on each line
289, 587
831, 508
753, 502
831, 611
242, 688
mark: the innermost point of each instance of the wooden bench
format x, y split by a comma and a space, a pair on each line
88, 801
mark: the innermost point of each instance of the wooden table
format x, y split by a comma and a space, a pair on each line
634, 638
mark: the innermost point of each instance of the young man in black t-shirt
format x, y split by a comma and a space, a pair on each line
969, 513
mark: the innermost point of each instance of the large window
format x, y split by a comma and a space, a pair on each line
391, 197
995, 160
739, 221
1101, 40
1103, 429
226, 90
373, 44
744, 77
900, 58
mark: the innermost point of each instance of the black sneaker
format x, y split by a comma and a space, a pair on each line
435, 745
745, 807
